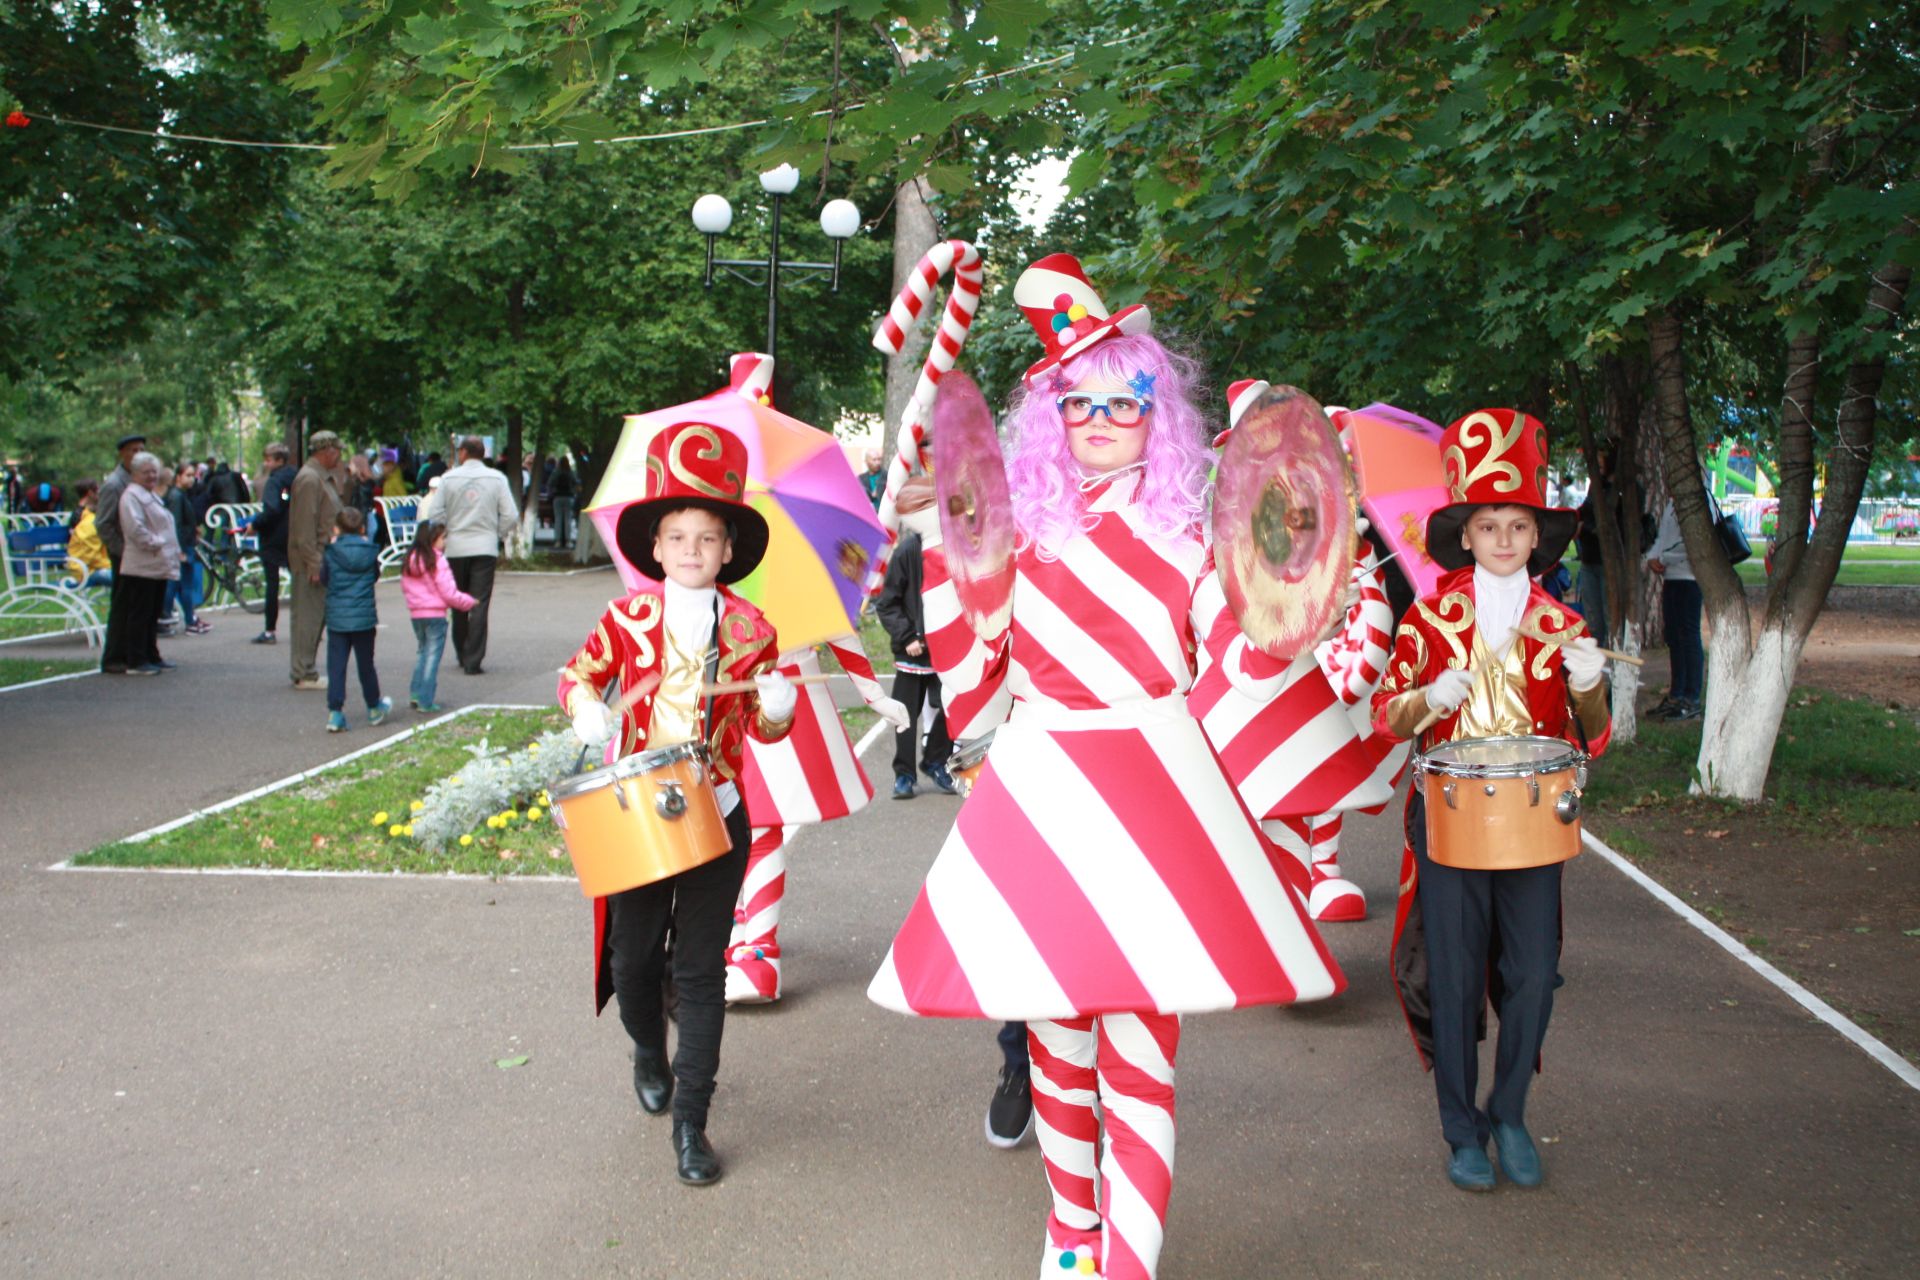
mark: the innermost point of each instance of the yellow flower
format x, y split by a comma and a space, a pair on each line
407, 831
395, 829
417, 806
465, 841
533, 813
380, 818
511, 815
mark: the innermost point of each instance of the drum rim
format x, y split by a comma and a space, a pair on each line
628, 767
1568, 757
967, 754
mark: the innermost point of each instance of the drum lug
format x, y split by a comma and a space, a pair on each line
620, 794
671, 802
1446, 789
1567, 807
1533, 789
1580, 776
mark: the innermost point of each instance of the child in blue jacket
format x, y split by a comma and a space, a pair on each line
351, 568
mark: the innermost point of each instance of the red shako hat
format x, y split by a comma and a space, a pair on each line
694, 464
1496, 458
1067, 314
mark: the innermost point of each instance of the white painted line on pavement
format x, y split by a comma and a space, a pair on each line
35, 684
1733, 946
294, 779
869, 738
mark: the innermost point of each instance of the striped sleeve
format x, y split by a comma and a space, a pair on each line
1355, 659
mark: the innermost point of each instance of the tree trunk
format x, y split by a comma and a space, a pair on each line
914, 233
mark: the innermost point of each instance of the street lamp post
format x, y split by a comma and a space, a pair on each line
712, 215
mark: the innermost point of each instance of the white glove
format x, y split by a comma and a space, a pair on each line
1584, 663
893, 712
778, 697
1360, 526
593, 723
1449, 690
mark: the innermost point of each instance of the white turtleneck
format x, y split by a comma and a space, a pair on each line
1498, 603
690, 615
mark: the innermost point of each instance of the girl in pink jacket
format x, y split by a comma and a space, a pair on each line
427, 582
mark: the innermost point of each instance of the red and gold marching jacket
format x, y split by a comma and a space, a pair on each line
627, 644
1440, 633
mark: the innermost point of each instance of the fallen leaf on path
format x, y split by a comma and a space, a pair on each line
507, 1064
1715, 835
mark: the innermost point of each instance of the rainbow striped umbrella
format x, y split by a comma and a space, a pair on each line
823, 530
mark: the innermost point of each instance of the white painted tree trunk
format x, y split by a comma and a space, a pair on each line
1746, 697
1626, 691
586, 540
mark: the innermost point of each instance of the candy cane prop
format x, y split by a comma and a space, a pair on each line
963, 260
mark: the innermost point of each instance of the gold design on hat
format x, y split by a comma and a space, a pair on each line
711, 452
1499, 442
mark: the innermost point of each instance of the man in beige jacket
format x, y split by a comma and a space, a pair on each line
475, 503
314, 503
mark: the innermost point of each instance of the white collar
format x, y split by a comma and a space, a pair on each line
1498, 602
689, 612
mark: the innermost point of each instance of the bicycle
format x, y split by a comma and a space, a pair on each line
234, 570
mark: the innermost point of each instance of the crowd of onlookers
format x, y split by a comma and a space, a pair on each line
134, 534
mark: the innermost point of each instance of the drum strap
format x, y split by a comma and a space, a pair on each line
1573, 713
712, 675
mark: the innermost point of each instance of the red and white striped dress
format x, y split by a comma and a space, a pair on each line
1103, 862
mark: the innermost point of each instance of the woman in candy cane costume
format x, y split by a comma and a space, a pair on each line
1103, 877
811, 775
1303, 752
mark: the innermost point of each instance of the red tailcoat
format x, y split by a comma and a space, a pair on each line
626, 645
1437, 634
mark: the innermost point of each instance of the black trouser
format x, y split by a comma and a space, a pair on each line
914, 691
1686, 659
113, 649
1013, 1045
360, 645
141, 601
1461, 912
699, 904
473, 575
272, 573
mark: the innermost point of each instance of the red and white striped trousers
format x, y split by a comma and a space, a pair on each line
1125, 1060
1314, 841
753, 950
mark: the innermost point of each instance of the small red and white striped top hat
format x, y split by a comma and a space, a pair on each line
750, 374
1240, 397
1067, 314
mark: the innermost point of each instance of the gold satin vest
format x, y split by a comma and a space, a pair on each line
1496, 705
676, 703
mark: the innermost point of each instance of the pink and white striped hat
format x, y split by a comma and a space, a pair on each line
1066, 313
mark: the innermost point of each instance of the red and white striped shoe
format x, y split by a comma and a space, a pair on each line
753, 974
1333, 898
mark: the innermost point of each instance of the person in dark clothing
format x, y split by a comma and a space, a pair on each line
899, 608
225, 485
113, 650
560, 489
352, 570
270, 527
434, 468
183, 500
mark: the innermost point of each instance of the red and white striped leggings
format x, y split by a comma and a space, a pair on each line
1126, 1060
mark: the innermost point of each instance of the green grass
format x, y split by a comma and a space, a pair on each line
1838, 762
1861, 565
327, 822
22, 670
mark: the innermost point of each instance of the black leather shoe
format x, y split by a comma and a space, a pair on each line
699, 1167
653, 1081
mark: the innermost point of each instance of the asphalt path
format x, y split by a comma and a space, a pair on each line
245, 1075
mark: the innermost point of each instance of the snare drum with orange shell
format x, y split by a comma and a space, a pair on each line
640, 819
968, 759
1498, 804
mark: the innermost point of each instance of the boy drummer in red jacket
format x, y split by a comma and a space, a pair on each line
1463, 653
694, 534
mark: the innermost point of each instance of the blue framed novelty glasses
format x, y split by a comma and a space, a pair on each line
1121, 410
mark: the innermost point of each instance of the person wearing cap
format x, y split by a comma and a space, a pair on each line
1103, 878
694, 535
106, 523
1464, 654
311, 508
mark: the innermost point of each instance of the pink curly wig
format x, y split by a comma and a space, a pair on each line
1049, 505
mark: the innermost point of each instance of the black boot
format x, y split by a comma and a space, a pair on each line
653, 1081
699, 1167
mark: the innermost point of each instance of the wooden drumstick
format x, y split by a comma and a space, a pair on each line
1614, 654
747, 686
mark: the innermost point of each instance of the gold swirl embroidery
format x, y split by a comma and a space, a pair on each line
711, 452
1549, 620
1475, 428
1451, 627
736, 633
637, 617
1406, 672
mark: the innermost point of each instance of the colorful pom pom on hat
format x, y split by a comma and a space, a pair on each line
1067, 314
